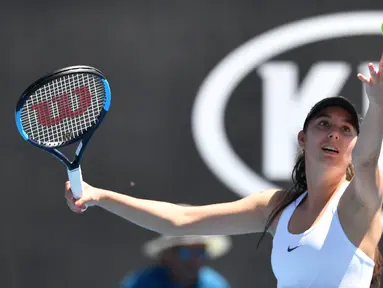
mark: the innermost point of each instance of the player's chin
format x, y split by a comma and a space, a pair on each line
332, 157
331, 160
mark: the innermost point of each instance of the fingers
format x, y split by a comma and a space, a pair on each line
74, 204
373, 73
73, 207
376, 75
364, 79
68, 194
68, 191
67, 185
71, 202
80, 203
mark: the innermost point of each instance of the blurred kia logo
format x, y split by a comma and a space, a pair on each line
285, 99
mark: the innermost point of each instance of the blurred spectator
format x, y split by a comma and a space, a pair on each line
180, 262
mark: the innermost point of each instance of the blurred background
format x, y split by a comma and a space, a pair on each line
207, 98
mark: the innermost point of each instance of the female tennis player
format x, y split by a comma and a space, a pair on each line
325, 228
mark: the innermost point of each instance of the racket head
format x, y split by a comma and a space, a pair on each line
63, 107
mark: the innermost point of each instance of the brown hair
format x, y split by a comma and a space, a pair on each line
299, 186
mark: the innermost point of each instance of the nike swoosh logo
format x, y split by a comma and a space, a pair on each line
291, 249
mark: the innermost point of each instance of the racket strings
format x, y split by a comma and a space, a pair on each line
63, 108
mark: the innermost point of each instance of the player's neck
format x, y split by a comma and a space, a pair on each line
322, 185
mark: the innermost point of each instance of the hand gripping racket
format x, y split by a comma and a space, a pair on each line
62, 108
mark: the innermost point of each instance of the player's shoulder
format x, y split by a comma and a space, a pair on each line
267, 198
267, 193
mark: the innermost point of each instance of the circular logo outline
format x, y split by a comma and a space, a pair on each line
208, 111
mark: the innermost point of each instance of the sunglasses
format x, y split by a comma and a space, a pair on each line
186, 253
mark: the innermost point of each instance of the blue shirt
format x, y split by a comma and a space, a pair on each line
159, 277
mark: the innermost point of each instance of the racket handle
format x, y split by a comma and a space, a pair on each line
75, 179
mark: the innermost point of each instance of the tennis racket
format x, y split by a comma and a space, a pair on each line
62, 108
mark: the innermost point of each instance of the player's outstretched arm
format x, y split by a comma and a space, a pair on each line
243, 216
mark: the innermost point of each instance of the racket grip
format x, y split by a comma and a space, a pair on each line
75, 179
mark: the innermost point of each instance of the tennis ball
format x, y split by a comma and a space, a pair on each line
381, 28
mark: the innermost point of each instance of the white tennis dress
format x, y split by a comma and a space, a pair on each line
322, 256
